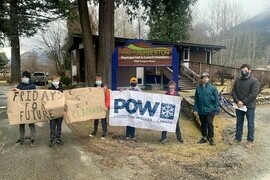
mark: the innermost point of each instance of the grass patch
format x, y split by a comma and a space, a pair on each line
116, 153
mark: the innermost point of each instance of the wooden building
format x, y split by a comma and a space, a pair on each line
189, 52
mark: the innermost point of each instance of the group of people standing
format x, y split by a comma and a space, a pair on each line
206, 106
244, 93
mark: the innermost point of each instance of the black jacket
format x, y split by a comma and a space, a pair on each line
28, 86
246, 90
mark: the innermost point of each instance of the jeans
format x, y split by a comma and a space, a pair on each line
177, 132
130, 132
207, 126
56, 128
104, 126
250, 114
32, 129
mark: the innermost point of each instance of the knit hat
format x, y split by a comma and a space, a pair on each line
26, 74
133, 80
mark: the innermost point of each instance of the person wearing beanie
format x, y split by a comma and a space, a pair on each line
56, 124
130, 131
26, 74
26, 84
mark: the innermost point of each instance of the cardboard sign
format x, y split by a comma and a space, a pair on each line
83, 104
144, 110
31, 106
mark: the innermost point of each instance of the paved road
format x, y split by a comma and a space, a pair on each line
42, 162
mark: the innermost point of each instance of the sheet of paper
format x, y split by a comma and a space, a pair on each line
243, 108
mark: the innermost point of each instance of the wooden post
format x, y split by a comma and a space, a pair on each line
222, 76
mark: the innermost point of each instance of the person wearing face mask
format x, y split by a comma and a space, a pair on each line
206, 105
56, 124
172, 92
26, 84
130, 131
99, 84
244, 92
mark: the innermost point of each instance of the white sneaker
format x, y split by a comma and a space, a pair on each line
93, 134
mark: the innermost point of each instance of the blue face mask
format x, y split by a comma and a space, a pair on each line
133, 84
244, 74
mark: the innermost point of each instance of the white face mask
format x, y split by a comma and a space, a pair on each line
205, 81
98, 82
56, 84
25, 80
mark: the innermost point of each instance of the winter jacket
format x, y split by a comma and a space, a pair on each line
28, 86
246, 90
107, 97
206, 99
136, 88
174, 94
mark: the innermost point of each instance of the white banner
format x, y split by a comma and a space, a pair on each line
144, 110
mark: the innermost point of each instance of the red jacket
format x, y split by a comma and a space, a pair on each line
107, 97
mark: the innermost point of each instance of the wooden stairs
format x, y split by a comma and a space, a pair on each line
187, 78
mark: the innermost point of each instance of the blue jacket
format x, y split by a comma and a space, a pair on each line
206, 99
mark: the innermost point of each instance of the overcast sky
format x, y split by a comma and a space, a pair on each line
251, 7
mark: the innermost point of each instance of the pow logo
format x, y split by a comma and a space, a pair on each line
167, 111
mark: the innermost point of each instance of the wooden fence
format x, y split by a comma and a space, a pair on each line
222, 72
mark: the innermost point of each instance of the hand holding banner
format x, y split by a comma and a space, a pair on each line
83, 104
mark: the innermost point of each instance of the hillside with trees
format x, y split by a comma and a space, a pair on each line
246, 39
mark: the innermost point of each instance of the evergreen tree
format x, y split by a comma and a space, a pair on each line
25, 17
170, 20
3, 60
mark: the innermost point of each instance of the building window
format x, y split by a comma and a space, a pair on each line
186, 54
208, 57
140, 81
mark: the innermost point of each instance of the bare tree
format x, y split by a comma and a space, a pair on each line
223, 18
122, 24
140, 27
30, 61
52, 41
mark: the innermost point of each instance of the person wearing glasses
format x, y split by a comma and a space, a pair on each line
172, 92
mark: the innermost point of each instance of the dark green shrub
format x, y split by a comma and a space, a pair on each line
65, 80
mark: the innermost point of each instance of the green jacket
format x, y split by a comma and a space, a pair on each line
206, 99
